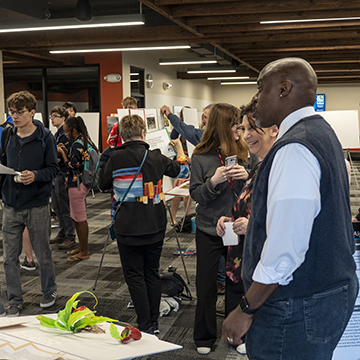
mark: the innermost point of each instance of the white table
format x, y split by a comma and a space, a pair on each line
83, 345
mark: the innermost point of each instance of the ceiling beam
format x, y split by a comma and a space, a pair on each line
256, 17
257, 7
347, 36
280, 28
128, 36
166, 11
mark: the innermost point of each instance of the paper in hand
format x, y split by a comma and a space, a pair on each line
7, 170
229, 238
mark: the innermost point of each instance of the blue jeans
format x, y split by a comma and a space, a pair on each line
37, 220
60, 204
297, 329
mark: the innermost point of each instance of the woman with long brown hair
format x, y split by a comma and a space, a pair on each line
215, 187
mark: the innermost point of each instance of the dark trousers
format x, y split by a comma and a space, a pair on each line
209, 249
141, 270
233, 293
60, 204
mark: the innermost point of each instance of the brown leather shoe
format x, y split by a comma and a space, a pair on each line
57, 240
67, 244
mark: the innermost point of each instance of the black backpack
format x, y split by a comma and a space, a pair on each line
172, 284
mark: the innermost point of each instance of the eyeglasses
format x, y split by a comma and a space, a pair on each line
17, 112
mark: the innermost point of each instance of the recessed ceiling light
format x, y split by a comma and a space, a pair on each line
308, 20
72, 23
229, 78
145, 48
239, 83
210, 71
199, 60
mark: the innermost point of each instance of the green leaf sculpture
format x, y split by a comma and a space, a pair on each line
73, 318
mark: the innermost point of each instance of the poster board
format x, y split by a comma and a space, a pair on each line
160, 139
80, 345
92, 122
349, 345
151, 120
345, 125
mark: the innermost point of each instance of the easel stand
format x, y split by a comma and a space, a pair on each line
102, 259
168, 206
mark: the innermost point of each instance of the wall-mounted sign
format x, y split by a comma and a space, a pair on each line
319, 102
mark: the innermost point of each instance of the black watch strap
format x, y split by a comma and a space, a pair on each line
244, 305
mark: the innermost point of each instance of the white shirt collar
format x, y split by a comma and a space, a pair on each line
293, 118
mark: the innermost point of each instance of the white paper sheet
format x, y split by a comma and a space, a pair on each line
182, 190
229, 238
83, 344
160, 139
7, 170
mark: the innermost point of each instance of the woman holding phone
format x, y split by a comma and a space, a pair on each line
215, 187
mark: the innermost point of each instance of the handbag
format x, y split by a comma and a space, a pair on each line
111, 227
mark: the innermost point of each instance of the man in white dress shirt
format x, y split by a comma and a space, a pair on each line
298, 267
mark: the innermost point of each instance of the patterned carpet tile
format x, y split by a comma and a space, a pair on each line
111, 289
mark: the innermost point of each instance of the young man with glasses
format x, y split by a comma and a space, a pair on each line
31, 150
59, 194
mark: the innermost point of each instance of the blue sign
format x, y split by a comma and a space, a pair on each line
319, 102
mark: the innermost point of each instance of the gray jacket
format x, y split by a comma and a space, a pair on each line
213, 202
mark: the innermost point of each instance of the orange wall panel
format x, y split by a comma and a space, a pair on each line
111, 94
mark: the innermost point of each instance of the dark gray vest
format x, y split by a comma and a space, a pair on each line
329, 260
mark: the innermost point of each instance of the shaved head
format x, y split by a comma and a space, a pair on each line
284, 86
299, 72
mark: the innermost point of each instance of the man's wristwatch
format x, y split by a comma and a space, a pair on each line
244, 305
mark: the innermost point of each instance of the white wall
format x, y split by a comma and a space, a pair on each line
337, 97
236, 95
196, 94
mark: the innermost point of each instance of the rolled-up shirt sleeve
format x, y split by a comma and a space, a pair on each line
293, 203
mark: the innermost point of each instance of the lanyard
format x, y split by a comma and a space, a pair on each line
229, 181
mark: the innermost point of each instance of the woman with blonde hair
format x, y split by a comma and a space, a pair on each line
215, 187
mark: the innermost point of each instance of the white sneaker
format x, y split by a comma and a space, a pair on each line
203, 350
241, 349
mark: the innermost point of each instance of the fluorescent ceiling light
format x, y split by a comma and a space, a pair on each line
72, 23
134, 74
135, 81
199, 60
239, 83
120, 49
210, 71
307, 20
229, 78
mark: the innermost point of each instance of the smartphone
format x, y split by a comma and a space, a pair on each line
231, 160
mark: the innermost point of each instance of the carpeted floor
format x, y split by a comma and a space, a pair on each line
111, 289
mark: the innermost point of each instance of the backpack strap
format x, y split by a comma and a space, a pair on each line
5, 138
188, 293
